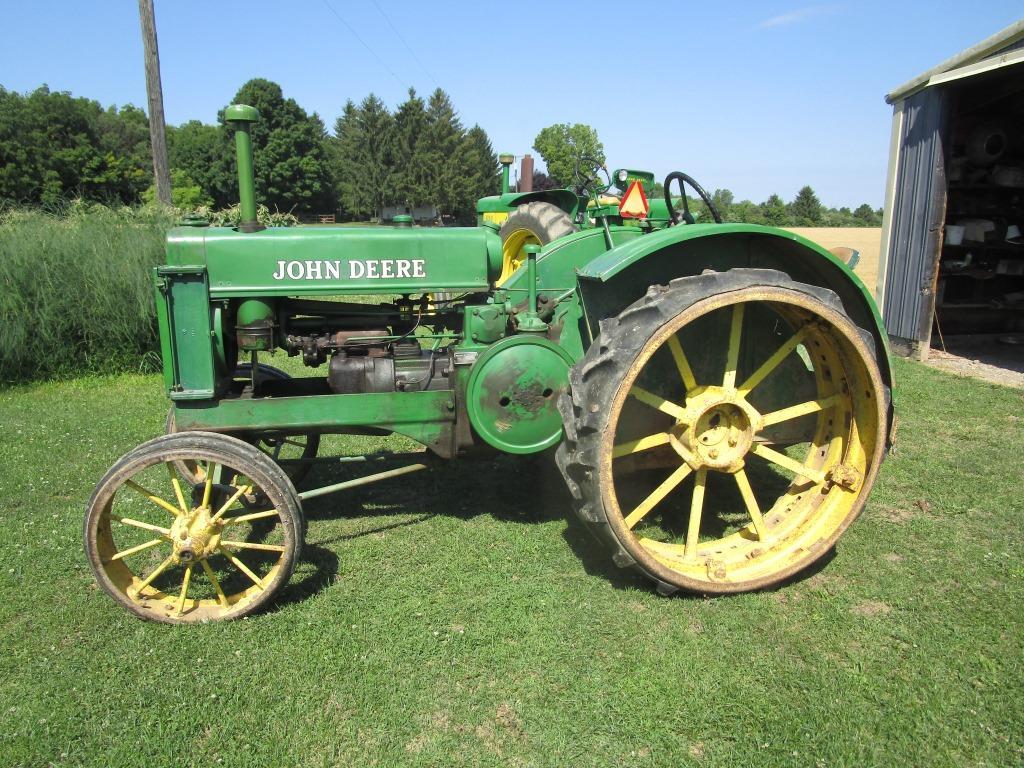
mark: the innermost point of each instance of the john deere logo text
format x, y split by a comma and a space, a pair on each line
371, 269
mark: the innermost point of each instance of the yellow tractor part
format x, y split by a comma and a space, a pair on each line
512, 254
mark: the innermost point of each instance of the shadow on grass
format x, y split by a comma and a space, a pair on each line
315, 572
514, 489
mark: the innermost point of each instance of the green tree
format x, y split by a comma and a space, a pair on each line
774, 211
746, 212
562, 145
185, 193
409, 180
197, 152
54, 146
806, 209
361, 156
480, 166
291, 168
446, 172
866, 216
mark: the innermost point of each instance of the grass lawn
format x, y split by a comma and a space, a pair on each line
458, 617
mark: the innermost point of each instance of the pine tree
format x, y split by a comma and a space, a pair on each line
480, 168
408, 182
806, 209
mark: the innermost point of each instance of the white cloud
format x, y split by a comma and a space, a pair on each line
795, 17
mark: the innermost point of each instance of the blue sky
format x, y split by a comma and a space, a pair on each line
758, 97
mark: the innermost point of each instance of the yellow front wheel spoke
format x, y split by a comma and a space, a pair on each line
772, 362
210, 469
657, 495
221, 597
139, 548
152, 497
696, 509
142, 525
685, 371
242, 567
752, 509
792, 465
184, 588
228, 504
733, 356
149, 579
801, 409
641, 444
247, 518
176, 484
663, 405
252, 545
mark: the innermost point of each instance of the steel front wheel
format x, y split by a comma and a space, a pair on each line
725, 430
179, 554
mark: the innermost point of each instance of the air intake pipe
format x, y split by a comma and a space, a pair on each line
242, 116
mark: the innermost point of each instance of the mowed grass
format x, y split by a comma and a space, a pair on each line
459, 617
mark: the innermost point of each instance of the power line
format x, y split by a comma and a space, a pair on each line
402, 40
364, 44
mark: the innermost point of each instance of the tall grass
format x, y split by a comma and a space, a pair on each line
76, 290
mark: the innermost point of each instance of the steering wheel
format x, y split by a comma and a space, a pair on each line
588, 173
684, 216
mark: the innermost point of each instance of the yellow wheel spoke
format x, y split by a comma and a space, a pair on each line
663, 405
733, 356
159, 569
227, 504
657, 495
221, 597
153, 497
696, 508
642, 444
250, 516
772, 362
685, 372
801, 409
142, 525
210, 469
785, 461
184, 588
242, 567
139, 548
176, 484
748, 498
252, 545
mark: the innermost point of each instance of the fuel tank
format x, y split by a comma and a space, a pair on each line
297, 261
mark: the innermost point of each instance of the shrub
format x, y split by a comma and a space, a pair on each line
76, 290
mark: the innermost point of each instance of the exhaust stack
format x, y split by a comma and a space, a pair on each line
241, 116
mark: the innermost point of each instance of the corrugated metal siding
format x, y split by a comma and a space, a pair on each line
918, 210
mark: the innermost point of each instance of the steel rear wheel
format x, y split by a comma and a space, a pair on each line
725, 430
535, 223
178, 554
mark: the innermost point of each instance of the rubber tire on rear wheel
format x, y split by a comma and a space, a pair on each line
539, 223
799, 531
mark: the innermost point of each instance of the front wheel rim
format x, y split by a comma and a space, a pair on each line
178, 554
711, 433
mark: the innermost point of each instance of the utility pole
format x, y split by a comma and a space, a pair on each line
157, 134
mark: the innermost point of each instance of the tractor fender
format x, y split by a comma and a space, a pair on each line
565, 199
618, 277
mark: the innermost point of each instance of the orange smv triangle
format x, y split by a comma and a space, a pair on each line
634, 202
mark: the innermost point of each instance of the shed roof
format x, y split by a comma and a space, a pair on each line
987, 47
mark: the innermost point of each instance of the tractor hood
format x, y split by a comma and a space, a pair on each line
299, 261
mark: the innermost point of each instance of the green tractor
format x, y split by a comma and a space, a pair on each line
718, 397
541, 217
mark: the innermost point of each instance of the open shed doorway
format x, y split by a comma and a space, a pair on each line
979, 275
